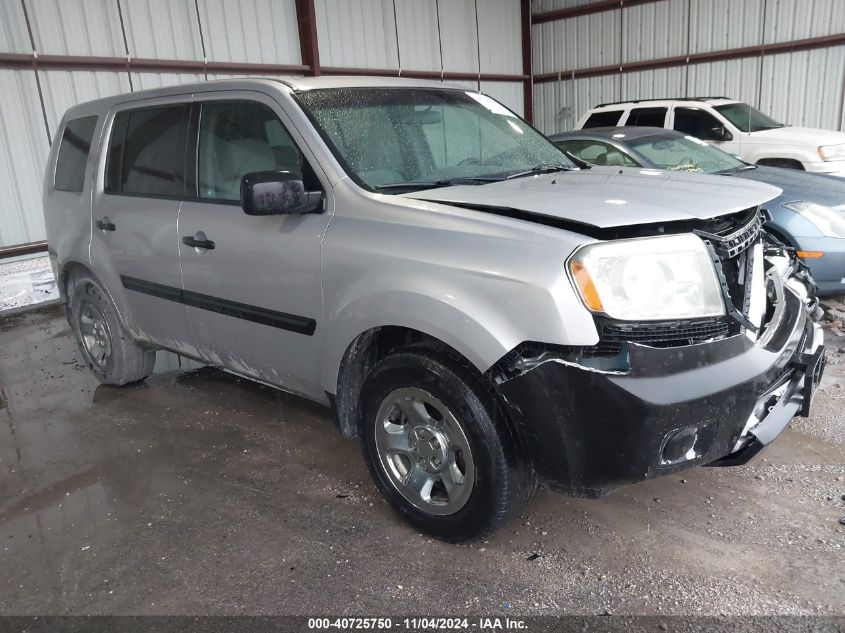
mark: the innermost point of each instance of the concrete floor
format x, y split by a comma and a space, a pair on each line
198, 492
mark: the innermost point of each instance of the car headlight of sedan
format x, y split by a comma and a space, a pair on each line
825, 219
648, 279
832, 152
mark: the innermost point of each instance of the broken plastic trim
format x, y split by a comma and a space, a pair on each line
530, 355
726, 293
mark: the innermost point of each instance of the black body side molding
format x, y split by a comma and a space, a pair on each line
281, 320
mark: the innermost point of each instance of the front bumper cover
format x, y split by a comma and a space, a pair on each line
588, 431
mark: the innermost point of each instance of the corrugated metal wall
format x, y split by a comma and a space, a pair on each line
467, 36
800, 88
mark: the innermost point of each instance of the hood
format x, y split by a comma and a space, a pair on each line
797, 136
607, 197
799, 185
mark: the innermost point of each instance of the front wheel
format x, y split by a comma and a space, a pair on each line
438, 447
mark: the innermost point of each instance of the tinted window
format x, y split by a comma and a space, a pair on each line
696, 122
147, 152
608, 118
650, 117
240, 137
73, 153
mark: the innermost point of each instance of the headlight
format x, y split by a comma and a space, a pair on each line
832, 152
647, 279
825, 219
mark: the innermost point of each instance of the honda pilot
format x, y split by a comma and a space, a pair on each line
483, 312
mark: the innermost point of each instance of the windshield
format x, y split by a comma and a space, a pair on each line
685, 153
395, 139
746, 118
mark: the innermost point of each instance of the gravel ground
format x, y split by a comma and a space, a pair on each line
198, 492
26, 282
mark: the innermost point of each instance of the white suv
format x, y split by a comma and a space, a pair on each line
734, 127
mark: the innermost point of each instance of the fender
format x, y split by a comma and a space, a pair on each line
482, 327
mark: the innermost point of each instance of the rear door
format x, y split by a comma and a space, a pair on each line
135, 243
254, 286
647, 116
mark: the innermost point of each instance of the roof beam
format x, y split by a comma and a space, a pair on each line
696, 58
585, 9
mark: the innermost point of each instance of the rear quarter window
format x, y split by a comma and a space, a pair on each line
607, 118
73, 154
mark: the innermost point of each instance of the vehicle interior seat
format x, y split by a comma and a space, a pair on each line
614, 158
238, 157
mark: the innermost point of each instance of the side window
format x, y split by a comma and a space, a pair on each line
649, 117
608, 118
598, 153
240, 137
697, 122
73, 154
147, 152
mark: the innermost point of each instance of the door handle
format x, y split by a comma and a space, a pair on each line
105, 224
197, 243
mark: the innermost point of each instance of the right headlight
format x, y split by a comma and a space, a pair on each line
825, 219
648, 279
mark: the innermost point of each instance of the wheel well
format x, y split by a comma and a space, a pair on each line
361, 356
69, 273
786, 163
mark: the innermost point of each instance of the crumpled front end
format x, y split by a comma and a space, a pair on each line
653, 398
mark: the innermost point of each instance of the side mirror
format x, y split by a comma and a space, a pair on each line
720, 133
277, 193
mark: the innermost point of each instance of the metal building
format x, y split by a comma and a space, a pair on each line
549, 60
785, 57
55, 53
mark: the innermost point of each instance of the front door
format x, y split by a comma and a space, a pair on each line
702, 124
134, 243
252, 283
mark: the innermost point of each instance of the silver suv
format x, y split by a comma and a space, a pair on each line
483, 312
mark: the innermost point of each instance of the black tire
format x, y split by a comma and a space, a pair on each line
127, 362
503, 481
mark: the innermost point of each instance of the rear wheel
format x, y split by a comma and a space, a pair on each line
108, 350
438, 447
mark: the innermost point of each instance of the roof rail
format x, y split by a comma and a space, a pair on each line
610, 103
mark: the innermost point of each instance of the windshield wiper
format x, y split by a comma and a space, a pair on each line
734, 170
412, 185
540, 169
433, 184
578, 161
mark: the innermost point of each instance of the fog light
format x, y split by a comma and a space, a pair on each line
679, 447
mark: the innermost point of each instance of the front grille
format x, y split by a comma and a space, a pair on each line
732, 244
665, 335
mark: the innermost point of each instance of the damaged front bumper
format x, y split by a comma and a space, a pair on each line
590, 429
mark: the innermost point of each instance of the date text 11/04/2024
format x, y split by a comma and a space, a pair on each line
415, 624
